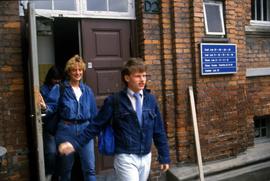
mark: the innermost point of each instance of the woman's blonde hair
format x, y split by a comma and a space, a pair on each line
73, 62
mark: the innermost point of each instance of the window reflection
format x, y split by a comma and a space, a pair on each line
97, 5
118, 5
65, 5
43, 4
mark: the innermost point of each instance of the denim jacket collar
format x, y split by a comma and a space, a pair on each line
81, 85
146, 98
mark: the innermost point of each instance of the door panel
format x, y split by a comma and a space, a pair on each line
33, 81
106, 46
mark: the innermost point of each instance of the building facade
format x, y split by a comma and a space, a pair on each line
233, 108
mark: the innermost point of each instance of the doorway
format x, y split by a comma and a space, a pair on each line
58, 40
104, 44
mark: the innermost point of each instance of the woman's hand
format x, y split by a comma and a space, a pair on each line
42, 102
65, 148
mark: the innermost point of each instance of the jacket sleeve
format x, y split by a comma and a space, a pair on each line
53, 100
160, 138
95, 126
93, 105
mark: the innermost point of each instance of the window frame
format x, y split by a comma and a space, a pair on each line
130, 14
59, 13
220, 5
81, 12
260, 21
266, 127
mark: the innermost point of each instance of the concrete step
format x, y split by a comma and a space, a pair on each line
257, 172
252, 165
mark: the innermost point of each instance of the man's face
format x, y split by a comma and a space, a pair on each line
136, 81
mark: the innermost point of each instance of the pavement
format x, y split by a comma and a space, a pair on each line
252, 165
106, 176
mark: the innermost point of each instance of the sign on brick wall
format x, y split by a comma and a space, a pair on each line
151, 6
217, 58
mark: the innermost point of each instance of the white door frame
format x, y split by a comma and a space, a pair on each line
34, 71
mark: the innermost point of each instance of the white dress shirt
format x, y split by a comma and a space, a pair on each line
132, 98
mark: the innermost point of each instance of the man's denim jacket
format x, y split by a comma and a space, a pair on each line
130, 138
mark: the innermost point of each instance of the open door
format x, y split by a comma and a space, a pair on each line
33, 78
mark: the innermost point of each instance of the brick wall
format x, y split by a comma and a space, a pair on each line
221, 99
170, 44
12, 105
258, 53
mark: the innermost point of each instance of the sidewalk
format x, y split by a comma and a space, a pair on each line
253, 164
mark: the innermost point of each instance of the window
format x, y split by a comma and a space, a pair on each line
113, 9
123, 9
260, 13
69, 5
107, 5
260, 10
213, 18
262, 126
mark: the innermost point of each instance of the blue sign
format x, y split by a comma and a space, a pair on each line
218, 58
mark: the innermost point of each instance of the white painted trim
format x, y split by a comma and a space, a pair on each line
259, 23
81, 12
254, 72
36, 116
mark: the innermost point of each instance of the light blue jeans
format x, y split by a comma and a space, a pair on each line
131, 167
86, 154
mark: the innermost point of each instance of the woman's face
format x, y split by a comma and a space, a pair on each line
76, 73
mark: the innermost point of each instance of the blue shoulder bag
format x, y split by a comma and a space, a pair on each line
106, 141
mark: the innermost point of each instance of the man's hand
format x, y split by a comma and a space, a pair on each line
164, 167
66, 148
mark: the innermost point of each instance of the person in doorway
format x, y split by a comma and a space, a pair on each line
76, 108
135, 124
53, 77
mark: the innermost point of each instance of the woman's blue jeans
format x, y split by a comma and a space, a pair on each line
50, 153
86, 154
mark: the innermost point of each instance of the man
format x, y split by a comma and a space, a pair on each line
136, 124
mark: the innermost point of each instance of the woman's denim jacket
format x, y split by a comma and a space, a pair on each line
130, 138
67, 106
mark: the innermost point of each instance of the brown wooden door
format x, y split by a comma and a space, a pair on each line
106, 46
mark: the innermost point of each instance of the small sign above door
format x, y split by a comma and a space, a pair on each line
151, 6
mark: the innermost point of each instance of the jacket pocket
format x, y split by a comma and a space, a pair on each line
152, 115
149, 118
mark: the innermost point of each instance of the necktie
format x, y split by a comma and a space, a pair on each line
138, 107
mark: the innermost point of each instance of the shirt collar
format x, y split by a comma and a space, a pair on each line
130, 92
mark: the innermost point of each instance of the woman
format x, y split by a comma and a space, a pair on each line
53, 77
76, 108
